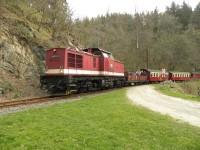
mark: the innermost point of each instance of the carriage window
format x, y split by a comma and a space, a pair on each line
79, 61
71, 60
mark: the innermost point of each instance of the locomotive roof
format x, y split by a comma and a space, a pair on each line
95, 51
98, 49
177, 72
151, 70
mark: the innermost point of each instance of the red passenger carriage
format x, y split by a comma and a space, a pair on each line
179, 76
136, 77
156, 75
195, 75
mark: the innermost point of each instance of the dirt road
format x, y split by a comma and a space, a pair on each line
185, 110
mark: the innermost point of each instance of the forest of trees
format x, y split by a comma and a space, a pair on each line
170, 39
52, 17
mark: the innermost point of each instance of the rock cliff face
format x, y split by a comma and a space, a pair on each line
19, 68
16, 57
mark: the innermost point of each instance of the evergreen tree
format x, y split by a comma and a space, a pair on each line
196, 17
173, 9
184, 15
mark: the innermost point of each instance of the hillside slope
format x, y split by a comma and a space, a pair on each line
23, 41
155, 39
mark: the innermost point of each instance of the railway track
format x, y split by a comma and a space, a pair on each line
15, 103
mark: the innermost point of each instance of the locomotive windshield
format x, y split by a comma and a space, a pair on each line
99, 52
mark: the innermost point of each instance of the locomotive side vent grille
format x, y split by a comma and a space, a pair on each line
75, 61
79, 61
71, 60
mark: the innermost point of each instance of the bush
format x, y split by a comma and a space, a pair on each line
23, 32
191, 87
6, 86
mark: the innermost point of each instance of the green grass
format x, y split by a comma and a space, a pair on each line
107, 121
178, 90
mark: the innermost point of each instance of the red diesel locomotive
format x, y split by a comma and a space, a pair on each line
91, 68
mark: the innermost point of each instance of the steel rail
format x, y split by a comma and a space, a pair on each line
14, 103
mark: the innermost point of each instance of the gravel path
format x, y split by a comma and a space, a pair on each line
185, 110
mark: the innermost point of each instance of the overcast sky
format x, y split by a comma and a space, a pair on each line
93, 8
